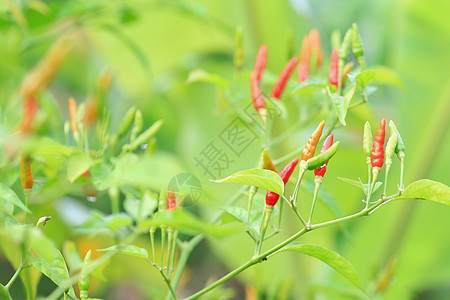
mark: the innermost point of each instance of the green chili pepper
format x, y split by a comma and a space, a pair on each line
357, 47
126, 122
146, 135
138, 123
367, 142
400, 147
344, 49
322, 158
238, 57
390, 148
84, 279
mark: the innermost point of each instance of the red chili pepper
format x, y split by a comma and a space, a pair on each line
333, 76
257, 96
260, 63
305, 57
30, 107
272, 197
26, 177
316, 47
377, 157
326, 144
86, 174
171, 201
280, 84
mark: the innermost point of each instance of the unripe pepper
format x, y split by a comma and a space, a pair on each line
322, 158
357, 47
26, 177
344, 49
285, 174
282, 80
367, 142
390, 148
326, 145
267, 162
316, 48
84, 281
333, 75
400, 147
260, 63
310, 148
171, 201
126, 122
377, 157
238, 57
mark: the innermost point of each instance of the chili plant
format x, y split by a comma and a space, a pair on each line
92, 159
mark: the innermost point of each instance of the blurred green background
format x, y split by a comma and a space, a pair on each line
151, 46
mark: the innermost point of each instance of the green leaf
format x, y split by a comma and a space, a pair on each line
127, 249
117, 221
77, 165
426, 189
7, 195
188, 223
314, 83
55, 269
199, 75
388, 76
331, 258
365, 77
140, 208
341, 103
73, 257
265, 179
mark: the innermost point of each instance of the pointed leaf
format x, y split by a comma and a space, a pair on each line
8, 195
265, 179
55, 269
127, 249
314, 83
77, 165
199, 75
426, 189
365, 77
331, 258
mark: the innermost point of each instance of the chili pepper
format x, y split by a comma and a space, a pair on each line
333, 75
126, 122
357, 47
41, 74
316, 47
367, 142
138, 123
322, 158
377, 157
267, 161
91, 112
326, 144
73, 114
282, 80
345, 71
390, 149
145, 136
259, 103
84, 281
310, 147
305, 56
260, 63
400, 147
285, 174
26, 177
238, 57
171, 201
345, 48
30, 107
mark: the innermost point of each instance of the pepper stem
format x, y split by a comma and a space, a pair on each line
402, 167
169, 246
267, 212
297, 186
163, 241
172, 254
388, 166
317, 182
27, 193
152, 241
251, 194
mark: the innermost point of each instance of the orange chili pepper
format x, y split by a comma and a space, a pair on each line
26, 177
171, 201
282, 80
333, 75
305, 56
73, 115
310, 148
257, 96
260, 63
30, 107
316, 47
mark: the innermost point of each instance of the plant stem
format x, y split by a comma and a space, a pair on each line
4, 291
257, 259
163, 239
402, 167
317, 183
27, 193
16, 274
